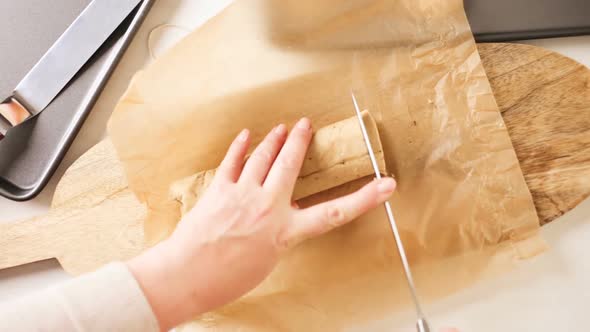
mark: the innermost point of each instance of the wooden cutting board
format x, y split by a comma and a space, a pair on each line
544, 98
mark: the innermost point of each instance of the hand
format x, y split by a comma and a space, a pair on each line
234, 236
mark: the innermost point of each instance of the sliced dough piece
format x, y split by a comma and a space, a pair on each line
337, 155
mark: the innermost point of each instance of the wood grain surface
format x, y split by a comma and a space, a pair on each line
544, 97
94, 219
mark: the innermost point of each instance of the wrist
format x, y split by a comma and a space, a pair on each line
159, 272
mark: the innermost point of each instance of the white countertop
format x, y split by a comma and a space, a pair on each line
548, 293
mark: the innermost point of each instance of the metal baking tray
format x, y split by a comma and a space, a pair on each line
30, 154
507, 20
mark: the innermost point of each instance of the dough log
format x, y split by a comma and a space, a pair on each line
337, 155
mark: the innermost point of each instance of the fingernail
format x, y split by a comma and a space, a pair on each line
280, 129
386, 185
304, 124
243, 136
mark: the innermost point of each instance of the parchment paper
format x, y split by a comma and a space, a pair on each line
462, 204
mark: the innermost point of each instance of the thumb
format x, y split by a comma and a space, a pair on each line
322, 218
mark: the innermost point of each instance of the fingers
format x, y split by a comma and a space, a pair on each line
264, 155
231, 166
285, 170
319, 219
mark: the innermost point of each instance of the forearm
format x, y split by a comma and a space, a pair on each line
174, 296
107, 300
156, 273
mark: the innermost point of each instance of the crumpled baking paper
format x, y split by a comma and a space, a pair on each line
462, 205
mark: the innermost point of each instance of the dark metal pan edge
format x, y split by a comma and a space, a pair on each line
536, 34
16, 193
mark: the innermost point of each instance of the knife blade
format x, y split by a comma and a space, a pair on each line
421, 324
63, 60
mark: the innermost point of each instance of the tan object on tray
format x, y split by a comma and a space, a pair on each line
337, 155
462, 204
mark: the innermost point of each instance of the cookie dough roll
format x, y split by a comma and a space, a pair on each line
337, 155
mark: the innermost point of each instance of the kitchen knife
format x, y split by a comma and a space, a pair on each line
421, 324
63, 61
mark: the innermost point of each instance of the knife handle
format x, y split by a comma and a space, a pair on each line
4, 123
12, 113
